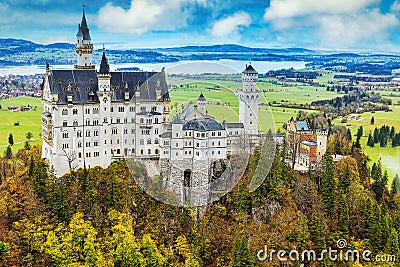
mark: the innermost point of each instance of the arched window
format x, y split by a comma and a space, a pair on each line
75, 123
65, 111
149, 141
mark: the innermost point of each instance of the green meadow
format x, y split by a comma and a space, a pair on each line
390, 157
29, 121
223, 105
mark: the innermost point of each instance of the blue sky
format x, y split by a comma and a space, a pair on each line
370, 25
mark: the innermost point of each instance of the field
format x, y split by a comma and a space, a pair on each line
390, 156
223, 105
29, 121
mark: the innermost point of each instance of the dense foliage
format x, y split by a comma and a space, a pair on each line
100, 217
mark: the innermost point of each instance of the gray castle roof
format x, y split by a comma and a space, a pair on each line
83, 85
203, 125
250, 70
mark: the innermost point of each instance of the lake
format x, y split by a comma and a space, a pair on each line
188, 67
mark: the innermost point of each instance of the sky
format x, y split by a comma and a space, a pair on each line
356, 25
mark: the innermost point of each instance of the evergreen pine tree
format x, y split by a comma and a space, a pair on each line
328, 186
241, 255
349, 136
343, 215
370, 141
377, 136
11, 139
392, 244
395, 185
9, 152
372, 120
317, 231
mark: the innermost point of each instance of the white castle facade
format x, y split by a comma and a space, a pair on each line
92, 118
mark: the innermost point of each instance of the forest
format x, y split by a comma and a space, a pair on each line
101, 217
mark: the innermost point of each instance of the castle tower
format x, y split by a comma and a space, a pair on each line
201, 103
249, 97
104, 76
322, 142
84, 46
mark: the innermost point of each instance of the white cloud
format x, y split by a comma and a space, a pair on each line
143, 16
293, 8
395, 7
364, 29
231, 24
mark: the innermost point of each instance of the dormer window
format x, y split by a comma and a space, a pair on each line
77, 88
88, 88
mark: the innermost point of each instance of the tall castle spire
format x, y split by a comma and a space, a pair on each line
84, 46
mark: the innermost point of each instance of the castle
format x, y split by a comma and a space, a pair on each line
304, 146
92, 118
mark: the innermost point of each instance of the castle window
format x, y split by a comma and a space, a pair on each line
59, 81
95, 110
142, 141
149, 151
65, 123
104, 120
213, 134
141, 120
78, 134
116, 87
156, 141
153, 108
112, 109
96, 154
75, 111
126, 120
95, 122
88, 133
219, 133
65, 146
96, 133
143, 109
251, 122
87, 111
87, 122
96, 143
156, 131
125, 131
80, 154
114, 131
149, 141
65, 111
65, 134
79, 144
141, 152
156, 120
69, 81
118, 120
156, 152
121, 109
87, 144
91, 81
131, 109
88, 88
77, 88
75, 123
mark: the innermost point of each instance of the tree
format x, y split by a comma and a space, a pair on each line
4, 249
71, 157
372, 120
241, 255
317, 230
392, 244
395, 185
29, 135
11, 139
379, 180
152, 257
343, 215
27, 145
328, 185
349, 136
370, 141
9, 152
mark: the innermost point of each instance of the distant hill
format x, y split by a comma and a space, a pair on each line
232, 48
